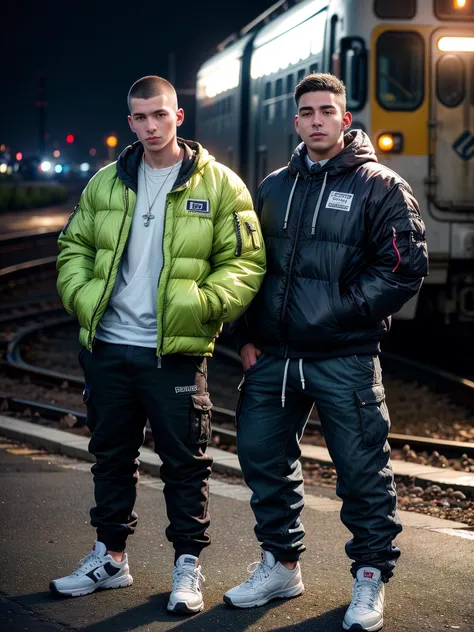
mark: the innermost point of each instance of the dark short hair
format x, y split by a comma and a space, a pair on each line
149, 87
321, 82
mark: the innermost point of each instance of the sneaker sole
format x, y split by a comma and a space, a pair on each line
296, 591
357, 627
182, 608
115, 582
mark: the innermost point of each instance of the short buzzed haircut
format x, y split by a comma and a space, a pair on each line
149, 87
322, 82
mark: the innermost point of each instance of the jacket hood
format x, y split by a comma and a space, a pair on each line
357, 151
195, 158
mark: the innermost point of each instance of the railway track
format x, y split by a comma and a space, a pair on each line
13, 365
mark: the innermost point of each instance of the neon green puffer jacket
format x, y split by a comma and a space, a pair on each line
214, 258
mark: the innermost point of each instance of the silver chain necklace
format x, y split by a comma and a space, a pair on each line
148, 215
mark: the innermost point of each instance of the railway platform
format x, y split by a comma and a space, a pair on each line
45, 501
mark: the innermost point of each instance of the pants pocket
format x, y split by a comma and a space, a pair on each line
200, 422
365, 362
86, 396
373, 413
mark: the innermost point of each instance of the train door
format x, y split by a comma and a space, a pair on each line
452, 120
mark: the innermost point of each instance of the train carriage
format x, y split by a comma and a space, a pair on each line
408, 67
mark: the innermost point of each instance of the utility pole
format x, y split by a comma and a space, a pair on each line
41, 105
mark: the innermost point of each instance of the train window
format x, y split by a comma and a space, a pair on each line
262, 159
354, 71
452, 10
472, 83
450, 80
399, 10
290, 86
278, 93
301, 75
400, 70
266, 113
314, 67
291, 107
268, 90
332, 44
291, 145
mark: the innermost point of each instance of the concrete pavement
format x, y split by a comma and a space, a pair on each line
45, 501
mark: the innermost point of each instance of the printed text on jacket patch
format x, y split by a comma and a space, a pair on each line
340, 201
186, 389
198, 206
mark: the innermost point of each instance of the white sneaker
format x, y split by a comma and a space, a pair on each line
186, 594
366, 610
269, 580
96, 570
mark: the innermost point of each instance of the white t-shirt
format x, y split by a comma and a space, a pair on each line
130, 317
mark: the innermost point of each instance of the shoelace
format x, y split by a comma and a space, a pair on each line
259, 571
187, 577
365, 594
87, 563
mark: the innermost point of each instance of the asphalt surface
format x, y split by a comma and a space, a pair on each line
45, 532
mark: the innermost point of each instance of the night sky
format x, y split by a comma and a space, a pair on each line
91, 52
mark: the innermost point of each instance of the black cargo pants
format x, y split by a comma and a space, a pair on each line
124, 387
350, 399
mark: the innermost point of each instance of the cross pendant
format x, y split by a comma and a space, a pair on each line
147, 218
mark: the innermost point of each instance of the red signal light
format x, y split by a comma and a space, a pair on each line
69, 138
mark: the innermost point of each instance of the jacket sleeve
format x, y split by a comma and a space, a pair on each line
238, 255
398, 262
75, 263
239, 329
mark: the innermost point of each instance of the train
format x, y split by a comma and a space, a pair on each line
408, 68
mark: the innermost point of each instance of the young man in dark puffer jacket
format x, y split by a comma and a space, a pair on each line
345, 250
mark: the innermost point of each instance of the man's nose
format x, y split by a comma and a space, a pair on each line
150, 124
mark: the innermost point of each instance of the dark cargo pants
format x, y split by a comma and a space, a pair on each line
350, 399
124, 387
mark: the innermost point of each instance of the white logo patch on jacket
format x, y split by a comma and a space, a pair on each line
198, 206
339, 201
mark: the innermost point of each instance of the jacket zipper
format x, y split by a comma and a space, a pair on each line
111, 268
252, 231
287, 289
70, 218
160, 332
238, 232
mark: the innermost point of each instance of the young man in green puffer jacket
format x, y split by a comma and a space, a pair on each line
163, 248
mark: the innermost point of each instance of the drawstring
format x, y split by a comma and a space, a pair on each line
283, 386
285, 223
285, 379
316, 210
300, 363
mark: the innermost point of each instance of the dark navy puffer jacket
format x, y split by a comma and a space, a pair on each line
345, 250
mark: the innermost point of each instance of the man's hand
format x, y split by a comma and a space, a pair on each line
249, 354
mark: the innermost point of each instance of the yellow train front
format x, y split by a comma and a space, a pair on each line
408, 67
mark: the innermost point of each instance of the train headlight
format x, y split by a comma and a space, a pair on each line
459, 4
390, 142
456, 44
